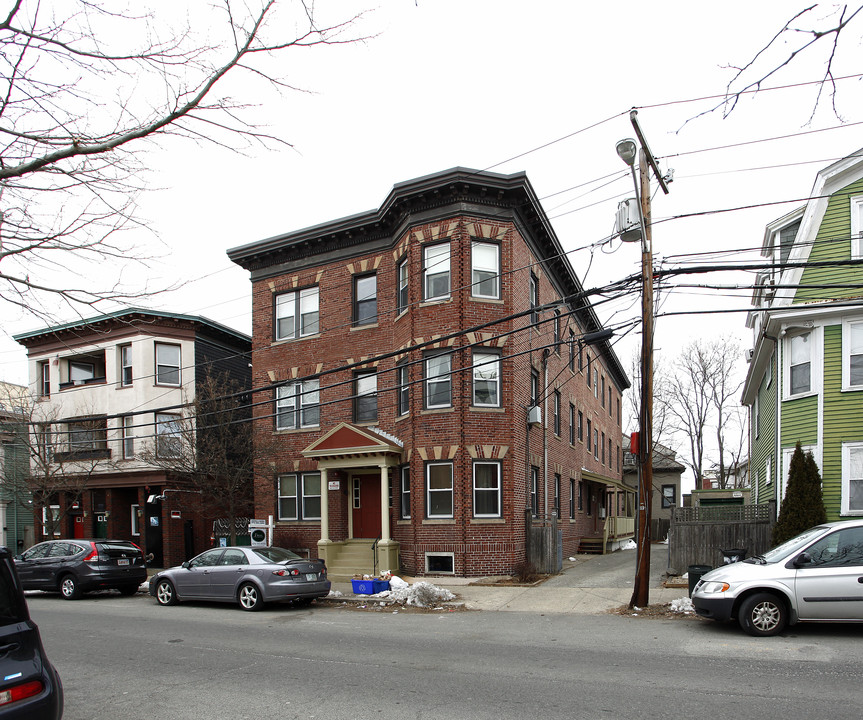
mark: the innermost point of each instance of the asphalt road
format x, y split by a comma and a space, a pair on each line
127, 658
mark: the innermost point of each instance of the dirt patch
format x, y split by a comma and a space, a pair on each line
659, 610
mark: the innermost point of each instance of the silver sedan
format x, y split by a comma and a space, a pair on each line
250, 576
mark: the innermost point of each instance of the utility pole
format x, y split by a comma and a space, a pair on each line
646, 161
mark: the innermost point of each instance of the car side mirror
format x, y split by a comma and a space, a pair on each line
803, 558
186, 564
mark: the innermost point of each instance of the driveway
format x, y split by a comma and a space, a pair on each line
614, 570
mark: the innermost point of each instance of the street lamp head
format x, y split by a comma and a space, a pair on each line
626, 151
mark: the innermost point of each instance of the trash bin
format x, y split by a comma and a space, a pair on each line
695, 572
733, 555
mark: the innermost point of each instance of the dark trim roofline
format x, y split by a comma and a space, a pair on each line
129, 316
467, 189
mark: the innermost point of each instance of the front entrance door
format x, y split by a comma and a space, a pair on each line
366, 506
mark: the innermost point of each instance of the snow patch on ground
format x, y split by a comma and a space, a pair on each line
421, 594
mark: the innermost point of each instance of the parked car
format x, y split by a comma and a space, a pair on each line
73, 567
30, 688
250, 576
816, 576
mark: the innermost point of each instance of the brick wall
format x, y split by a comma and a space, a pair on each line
460, 433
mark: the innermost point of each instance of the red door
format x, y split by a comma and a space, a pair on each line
367, 506
79, 527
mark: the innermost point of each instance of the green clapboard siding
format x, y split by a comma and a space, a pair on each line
833, 242
763, 446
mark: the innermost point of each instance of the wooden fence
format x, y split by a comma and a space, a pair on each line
544, 544
698, 535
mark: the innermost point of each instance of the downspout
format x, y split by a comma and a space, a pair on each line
545, 354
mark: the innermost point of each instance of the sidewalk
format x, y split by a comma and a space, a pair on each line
573, 591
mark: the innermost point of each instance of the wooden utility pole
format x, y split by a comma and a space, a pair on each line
641, 588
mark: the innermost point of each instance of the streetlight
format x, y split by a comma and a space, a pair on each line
627, 150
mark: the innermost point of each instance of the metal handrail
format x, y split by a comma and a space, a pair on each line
375, 556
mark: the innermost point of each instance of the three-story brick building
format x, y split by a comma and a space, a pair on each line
423, 380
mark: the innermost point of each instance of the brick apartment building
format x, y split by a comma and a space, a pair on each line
110, 394
423, 379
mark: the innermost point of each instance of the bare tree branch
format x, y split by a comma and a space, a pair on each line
84, 85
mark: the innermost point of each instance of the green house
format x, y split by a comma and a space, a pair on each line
805, 377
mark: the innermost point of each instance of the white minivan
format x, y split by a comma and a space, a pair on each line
816, 576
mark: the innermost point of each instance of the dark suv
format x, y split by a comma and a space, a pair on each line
30, 687
76, 566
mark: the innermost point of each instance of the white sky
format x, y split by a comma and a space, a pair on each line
473, 83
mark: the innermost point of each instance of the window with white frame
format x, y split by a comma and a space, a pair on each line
533, 289
405, 493
51, 521
439, 490
852, 355
852, 478
669, 496
128, 428
485, 269
168, 439
299, 496
555, 409
365, 299
366, 397
125, 365
438, 380
436, 272
403, 279
595, 382
571, 424
135, 519
167, 364
768, 470
298, 405
534, 490
572, 492
799, 364
403, 384
486, 378
297, 314
44, 378
857, 228
486, 489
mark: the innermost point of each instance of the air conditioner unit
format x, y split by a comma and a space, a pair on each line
628, 223
749, 354
534, 415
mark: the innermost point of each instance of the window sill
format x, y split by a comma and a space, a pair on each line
438, 411
491, 301
294, 339
488, 521
439, 521
364, 326
403, 521
852, 388
488, 408
406, 416
436, 301
801, 396
294, 431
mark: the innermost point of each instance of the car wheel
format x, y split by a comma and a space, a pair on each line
762, 614
165, 594
250, 597
128, 589
69, 588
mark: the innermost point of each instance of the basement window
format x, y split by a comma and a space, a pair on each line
443, 563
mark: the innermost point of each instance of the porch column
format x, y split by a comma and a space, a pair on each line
325, 542
388, 549
385, 504
325, 507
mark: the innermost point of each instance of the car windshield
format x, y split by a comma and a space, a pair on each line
789, 547
275, 554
